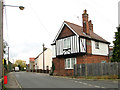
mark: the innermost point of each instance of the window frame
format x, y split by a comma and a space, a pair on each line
70, 64
97, 46
66, 43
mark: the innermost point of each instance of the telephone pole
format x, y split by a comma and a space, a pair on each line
43, 58
8, 60
1, 41
1, 37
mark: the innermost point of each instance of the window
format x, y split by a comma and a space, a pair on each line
66, 43
96, 45
69, 63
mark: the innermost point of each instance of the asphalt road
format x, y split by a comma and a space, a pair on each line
40, 80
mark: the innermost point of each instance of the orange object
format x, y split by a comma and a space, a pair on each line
5, 79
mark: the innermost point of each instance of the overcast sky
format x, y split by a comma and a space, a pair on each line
26, 31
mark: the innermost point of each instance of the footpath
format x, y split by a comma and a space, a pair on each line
0, 83
12, 82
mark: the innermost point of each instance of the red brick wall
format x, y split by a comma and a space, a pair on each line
89, 46
57, 65
91, 59
85, 26
60, 66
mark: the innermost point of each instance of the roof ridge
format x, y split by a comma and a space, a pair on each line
73, 24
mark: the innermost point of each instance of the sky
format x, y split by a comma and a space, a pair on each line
26, 30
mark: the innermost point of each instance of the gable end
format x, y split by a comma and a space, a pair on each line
65, 32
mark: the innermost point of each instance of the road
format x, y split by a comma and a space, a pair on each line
40, 80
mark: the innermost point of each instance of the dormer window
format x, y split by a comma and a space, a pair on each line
96, 45
67, 43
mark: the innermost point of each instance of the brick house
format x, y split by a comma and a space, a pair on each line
32, 63
76, 44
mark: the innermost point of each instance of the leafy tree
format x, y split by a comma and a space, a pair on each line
21, 64
116, 48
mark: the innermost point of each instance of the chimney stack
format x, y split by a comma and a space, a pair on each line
85, 22
90, 25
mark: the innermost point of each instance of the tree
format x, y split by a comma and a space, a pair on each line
21, 64
116, 48
52, 69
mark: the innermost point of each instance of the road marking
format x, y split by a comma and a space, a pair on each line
80, 82
97, 86
89, 85
102, 87
17, 82
76, 81
85, 83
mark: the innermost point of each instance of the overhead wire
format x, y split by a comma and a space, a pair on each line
6, 24
38, 18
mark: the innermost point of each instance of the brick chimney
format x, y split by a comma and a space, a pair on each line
85, 22
90, 25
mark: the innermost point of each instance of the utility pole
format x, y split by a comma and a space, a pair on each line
118, 13
43, 58
1, 41
8, 58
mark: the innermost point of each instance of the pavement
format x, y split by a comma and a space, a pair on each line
12, 82
0, 83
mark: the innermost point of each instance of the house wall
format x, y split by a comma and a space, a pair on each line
53, 51
77, 45
47, 60
60, 68
60, 63
32, 65
65, 32
89, 46
103, 49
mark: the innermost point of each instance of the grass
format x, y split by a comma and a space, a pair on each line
93, 77
101, 77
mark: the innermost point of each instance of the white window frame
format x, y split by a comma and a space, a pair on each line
70, 65
97, 45
66, 43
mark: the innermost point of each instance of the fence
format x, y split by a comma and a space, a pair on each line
38, 70
96, 69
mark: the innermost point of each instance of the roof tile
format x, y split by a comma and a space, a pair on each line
79, 30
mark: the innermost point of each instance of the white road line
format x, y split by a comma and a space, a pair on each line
85, 83
97, 86
89, 85
76, 81
80, 82
102, 87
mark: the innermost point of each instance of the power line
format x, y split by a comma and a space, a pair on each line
38, 18
6, 24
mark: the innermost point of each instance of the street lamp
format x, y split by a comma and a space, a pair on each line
20, 7
1, 37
